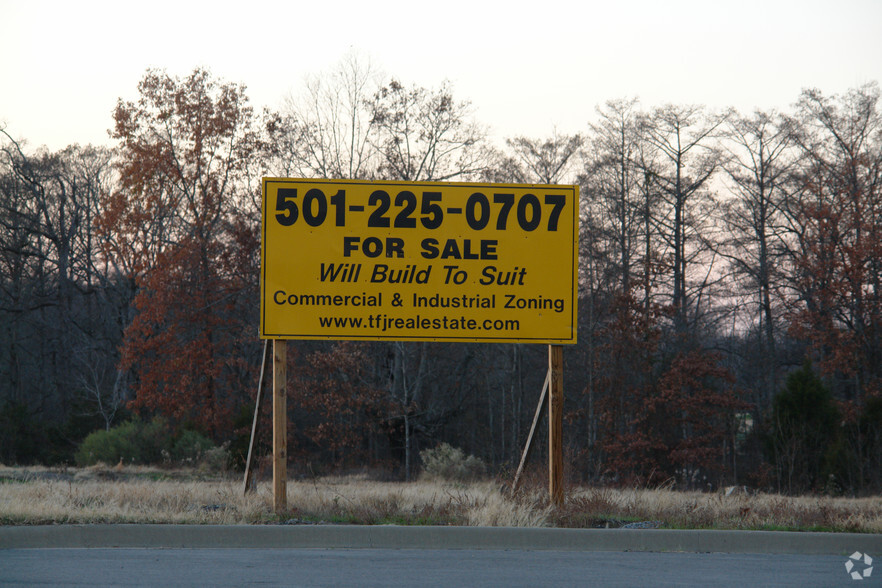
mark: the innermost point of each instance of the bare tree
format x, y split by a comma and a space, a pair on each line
761, 157
545, 161
422, 135
682, 137
53, 291
426, 134
611, 184
610, 235
326, 131
835, 218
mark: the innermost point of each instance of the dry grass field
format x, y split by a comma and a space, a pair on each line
100, 494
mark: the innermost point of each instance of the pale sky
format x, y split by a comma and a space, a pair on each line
526, 67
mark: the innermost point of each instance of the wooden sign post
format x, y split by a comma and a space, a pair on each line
553, 388
280, 425
248, 481
555, 424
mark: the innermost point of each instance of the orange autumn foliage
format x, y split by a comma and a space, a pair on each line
178, 225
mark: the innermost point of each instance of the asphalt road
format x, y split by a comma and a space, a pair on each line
390, 556
414, 567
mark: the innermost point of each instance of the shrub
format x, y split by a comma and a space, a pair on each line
215, 459
132, 442
450, 463
190, 447
137, 442
804, 432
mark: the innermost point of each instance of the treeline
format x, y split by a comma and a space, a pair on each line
729, 311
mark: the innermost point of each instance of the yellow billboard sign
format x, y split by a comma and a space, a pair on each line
419, 261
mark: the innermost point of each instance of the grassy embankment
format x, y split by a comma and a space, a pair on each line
151, 495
